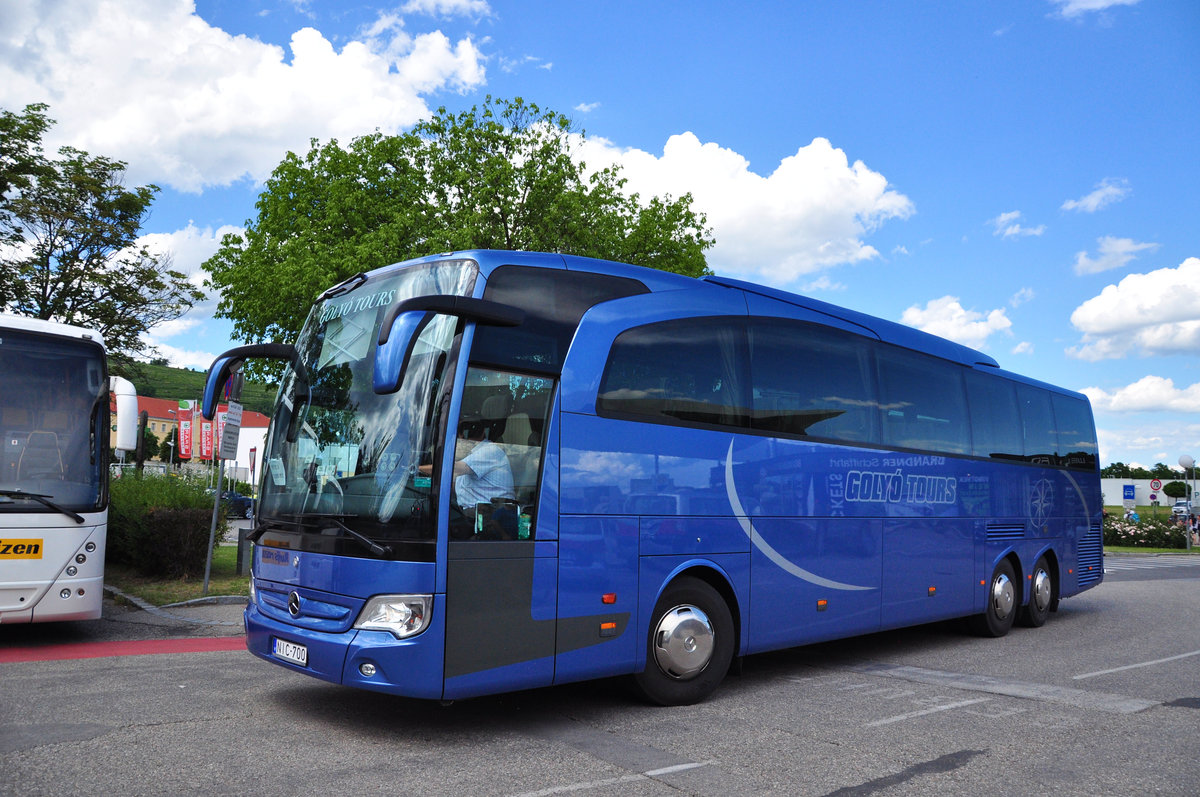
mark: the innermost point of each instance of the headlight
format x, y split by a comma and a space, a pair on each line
403, 615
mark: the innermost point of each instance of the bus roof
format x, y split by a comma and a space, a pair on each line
27, 324
656, 280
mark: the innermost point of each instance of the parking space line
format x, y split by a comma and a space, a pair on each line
595, 784
1135, 666
923, 712
1079, 698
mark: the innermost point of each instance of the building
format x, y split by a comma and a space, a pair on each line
162, 418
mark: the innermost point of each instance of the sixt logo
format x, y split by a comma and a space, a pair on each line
20, 549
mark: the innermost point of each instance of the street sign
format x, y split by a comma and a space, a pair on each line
1128, 491
1155, 485
229, 431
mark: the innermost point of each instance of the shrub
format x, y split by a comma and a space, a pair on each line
1150, 533
160, 526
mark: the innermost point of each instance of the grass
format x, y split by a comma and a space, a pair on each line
1128, 549
179, 383
223, 580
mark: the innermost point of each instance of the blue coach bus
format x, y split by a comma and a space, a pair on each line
490, 471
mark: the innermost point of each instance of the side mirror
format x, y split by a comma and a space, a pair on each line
127, 430
219, 371
396, 347
408, 318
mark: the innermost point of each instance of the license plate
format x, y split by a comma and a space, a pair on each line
290, 651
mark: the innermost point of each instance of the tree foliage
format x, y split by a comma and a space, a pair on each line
68, 240
500, 176
1119, 470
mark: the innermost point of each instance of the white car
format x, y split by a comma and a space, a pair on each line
1182, 507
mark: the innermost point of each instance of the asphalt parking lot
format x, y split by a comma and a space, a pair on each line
1104, 699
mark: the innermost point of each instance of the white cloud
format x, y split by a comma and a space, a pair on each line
1156, 313
810, 213
1007, 225
822, 283
448, 8
587, 107
188, 105
188, 248
1148, 394
1069, 9
1107, 191
947, 318
1021, 297
1024, 347
1111, 253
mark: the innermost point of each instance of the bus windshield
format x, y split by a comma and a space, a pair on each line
342, 461
53, 415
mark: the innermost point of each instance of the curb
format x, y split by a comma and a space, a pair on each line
160, 611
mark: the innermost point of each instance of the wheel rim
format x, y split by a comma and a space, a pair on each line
1041, 590
1003, 596
683, 642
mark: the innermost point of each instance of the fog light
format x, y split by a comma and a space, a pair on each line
66, 593
90, 547
72, 570
367, 669
80, 559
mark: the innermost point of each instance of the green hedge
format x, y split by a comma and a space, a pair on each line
160, 525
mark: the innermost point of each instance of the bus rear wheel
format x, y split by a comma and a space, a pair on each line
1003, 601
1041, 596
689, 647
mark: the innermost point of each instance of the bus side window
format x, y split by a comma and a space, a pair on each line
688, 372
923, 403
995, 419
1076, 433
504, 412
811, 381
1037, 417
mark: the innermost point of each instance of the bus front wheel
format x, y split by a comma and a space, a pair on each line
690, 645
1003, 602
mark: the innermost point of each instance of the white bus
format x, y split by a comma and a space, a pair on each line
55, 422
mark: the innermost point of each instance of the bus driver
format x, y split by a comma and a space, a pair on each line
482, 472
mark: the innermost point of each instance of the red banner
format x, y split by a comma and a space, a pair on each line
206, 440
185, 434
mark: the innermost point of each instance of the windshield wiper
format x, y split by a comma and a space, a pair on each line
45, 501
268, 525
382, 551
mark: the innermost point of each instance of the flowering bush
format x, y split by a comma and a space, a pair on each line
1150, 533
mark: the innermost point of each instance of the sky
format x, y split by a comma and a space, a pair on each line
1020, 177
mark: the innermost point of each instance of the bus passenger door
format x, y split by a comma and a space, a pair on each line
501, 579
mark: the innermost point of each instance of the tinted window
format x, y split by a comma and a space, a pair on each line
811, 380
690, 371
1037, 419
1076, 433
553, 302
995, 419
922, 403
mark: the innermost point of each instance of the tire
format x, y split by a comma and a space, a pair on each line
1003, 603
689, 646
1041, 596
249, 513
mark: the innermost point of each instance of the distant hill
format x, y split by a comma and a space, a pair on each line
164, 382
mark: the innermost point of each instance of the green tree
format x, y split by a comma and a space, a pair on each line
1115, 470
500, 176
68, 241
167, 446
1176, 489
1162, 471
